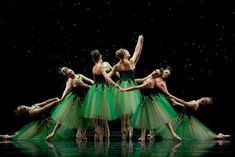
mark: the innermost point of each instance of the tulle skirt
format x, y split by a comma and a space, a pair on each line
125, 102
188, 129
68, 112
98, 103
165, 110
153, 112
38, 130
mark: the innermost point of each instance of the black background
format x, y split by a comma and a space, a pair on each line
196, 38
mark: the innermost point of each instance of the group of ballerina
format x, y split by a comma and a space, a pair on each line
143, 103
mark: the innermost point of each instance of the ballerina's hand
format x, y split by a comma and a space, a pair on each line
178, 104
121, 89
141, 37
57, 99
172, 100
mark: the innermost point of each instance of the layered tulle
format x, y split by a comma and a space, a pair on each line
189, 128
98, 103
125, 102
153, 112
165, 110
145, 116
68, 112
39, 129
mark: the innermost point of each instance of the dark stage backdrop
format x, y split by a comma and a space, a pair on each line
196, 38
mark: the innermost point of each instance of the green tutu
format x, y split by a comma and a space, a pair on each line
126, 102
39, 130
68, 112
153, 112
164, 111
145, 116
188, 128
98, 103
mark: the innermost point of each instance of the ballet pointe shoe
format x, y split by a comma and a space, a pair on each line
96, 135
222, 136
5, 137
124, 136
175, 136
100, 137
107, 132
130, 133
124, 133
150, 137
107, 135
50, 136
84, 138
141, 139
79, 137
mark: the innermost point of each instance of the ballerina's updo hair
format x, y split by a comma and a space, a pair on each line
95, 54
18, 111
168, 68
62, 69
161, 70
120, 53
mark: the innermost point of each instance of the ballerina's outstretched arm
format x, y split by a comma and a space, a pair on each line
87, 79
156, 71
48, 101
138, 50
106, 76
47, 104
174, 99
142, 86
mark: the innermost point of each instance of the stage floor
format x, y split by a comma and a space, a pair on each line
113, 146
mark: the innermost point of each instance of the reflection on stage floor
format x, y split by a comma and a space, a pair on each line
115, 147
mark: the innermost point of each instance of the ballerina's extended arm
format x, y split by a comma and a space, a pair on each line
87, 79
138, 50
106, 76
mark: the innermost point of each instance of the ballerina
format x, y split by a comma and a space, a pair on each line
189, 127
98, 104
36, 128
68, 112
107, 67
153, 111
126, 103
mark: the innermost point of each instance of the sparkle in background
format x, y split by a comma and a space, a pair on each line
196, 38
